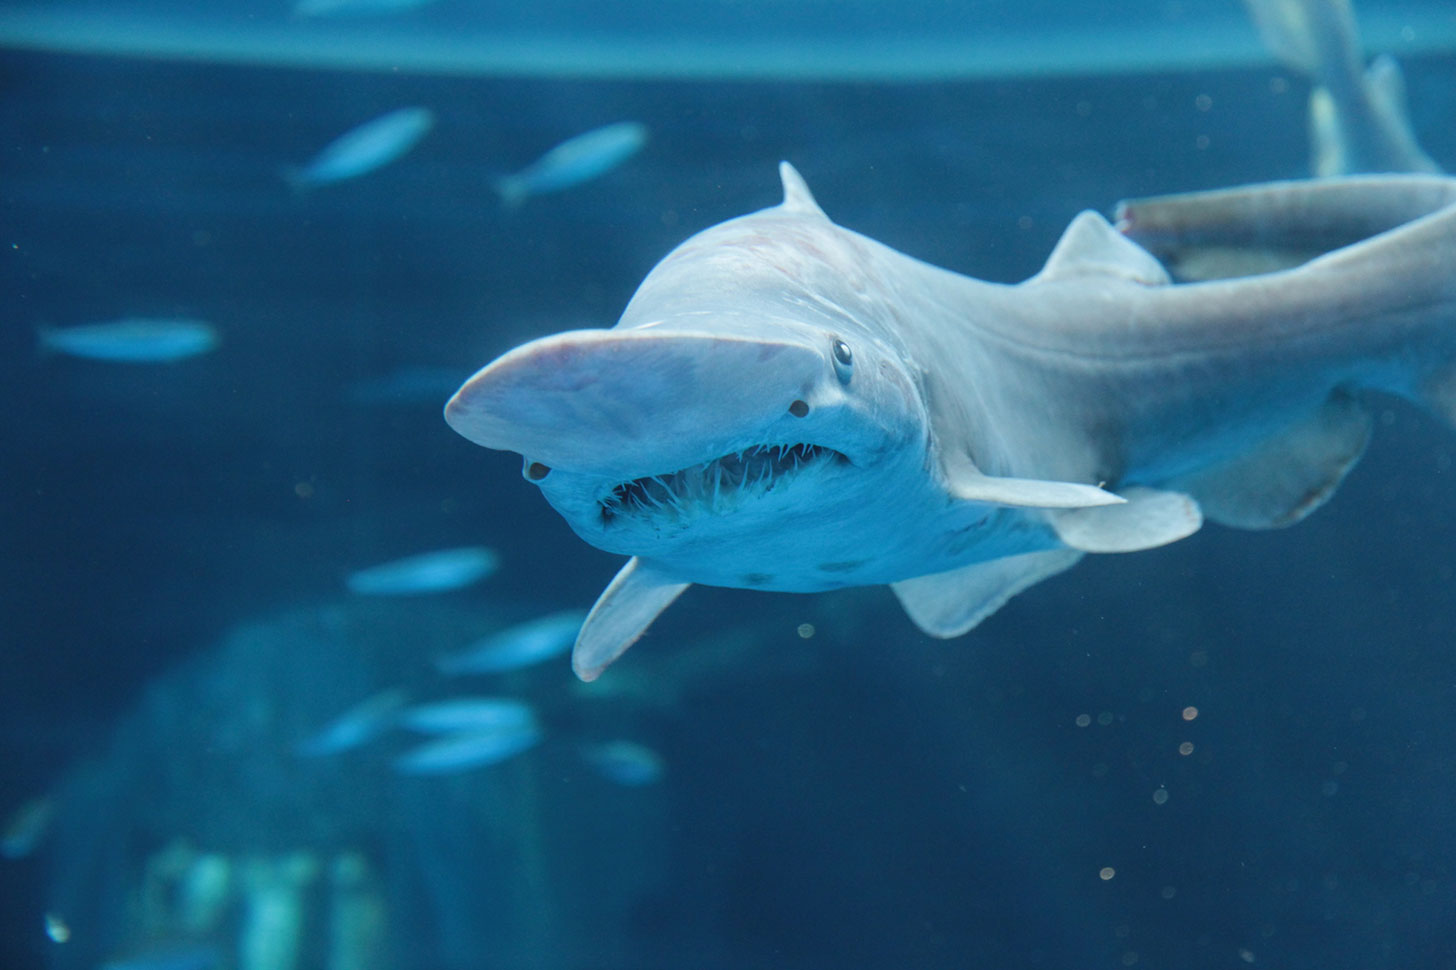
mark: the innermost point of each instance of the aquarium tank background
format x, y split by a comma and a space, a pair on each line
287, 680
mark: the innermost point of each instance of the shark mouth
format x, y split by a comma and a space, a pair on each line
716, 485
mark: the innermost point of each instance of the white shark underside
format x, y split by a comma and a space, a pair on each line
788, 405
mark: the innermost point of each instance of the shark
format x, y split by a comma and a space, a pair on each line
1358, 116
788, 405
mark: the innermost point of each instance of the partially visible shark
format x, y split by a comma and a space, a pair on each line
788, 405
1358, 120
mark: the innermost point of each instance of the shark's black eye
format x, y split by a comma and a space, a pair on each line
843, 361
535, 471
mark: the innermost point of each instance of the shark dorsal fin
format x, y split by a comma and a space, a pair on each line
1091, 247
797, 197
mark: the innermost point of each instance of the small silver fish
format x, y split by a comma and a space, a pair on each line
469, 714
364, 149
132, 340
574, 161
358, 725
455, 753
429, 572
522, 645
624, 762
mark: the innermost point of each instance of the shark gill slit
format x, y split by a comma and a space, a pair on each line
699, 487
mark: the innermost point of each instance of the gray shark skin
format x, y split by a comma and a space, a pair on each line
788, 405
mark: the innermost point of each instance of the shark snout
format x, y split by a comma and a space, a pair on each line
624, 403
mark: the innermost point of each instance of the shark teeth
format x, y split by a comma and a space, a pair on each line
715, 484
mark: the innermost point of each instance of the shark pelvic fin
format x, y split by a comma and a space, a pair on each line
797, 197
1091, 247
951, 603
1149, 518
1289, 475
632, 600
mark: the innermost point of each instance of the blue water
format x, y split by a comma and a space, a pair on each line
177, 539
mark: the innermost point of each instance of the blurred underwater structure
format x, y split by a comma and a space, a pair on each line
220, 838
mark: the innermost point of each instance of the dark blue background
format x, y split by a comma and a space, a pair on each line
892, 801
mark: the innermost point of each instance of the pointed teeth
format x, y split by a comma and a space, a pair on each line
706, 487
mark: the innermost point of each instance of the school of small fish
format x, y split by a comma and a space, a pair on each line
359, 151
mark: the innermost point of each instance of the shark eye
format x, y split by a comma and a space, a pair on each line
535, 471
843, 361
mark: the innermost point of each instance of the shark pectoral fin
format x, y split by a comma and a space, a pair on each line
951, 603
1149, 518
1091, 247
1026, 493
1288, 475
624, 611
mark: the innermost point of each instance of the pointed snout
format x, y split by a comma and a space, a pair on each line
626, 403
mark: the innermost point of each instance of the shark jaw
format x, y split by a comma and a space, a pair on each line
708, 451
714, 487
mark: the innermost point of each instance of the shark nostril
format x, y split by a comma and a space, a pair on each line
799, 409
535, 471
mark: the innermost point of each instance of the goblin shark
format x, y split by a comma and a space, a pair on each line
788, 405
